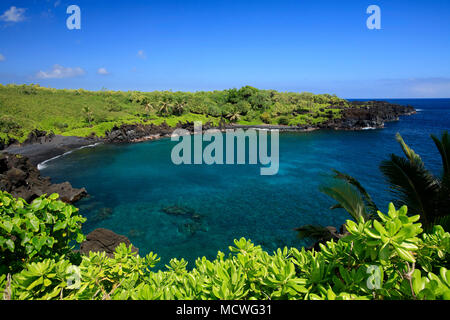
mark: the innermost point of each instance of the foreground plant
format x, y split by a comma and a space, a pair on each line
414, 186
417, 187
36, 231
386, 259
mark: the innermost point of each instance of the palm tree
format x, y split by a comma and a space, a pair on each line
178, 108
351, 196
89, 115
164, 108
412, 184
233, 116
418, 188
147, 108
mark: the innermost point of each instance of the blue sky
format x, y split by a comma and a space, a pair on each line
319, 46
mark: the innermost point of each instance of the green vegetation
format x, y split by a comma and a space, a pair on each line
36, 231
24, 108
411, 183
388, 258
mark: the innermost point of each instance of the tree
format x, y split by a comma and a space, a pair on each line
233, 116
148, 107
410, 182
88, 115
417, 187
164, 108
351, 196
179, 107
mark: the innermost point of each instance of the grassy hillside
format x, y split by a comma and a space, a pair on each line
81, 113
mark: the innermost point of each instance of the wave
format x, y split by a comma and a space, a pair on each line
44, 165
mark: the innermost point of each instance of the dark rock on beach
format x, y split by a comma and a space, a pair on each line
21, 178
104, 240
6, 143
144, 132
371, 114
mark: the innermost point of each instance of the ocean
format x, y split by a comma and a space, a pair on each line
191, 211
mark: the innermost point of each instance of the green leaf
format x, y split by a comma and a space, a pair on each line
35, 283
59, 225
379, 227
47, 282
54, 196
80, 238
34, 222
409, 246
10, 245
7, 226
405, 255
385, 253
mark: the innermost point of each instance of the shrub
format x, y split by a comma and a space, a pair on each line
266, 117
29, 90
251, 116
113, 105
283, 120
33, 232
9, 125
61, 125
379, 259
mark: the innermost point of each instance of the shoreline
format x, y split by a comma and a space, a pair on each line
48, 148
21, 173
41, 152
41, 147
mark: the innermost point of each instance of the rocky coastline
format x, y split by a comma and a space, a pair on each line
20, 176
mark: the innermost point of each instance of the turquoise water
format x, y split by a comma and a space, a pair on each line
131, 186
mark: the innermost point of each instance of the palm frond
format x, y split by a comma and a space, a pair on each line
410, 154
412, 184
370, 204
444, 222
443, 146
348, 198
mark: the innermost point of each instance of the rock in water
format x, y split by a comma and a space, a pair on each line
104, 240
23, 180
66, 192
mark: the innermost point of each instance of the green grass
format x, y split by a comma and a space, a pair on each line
24, 108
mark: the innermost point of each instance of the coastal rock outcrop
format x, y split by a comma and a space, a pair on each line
104, 240
21, 178
143, 132
368, 114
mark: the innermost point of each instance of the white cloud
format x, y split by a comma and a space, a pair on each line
430, 87
13, 14
57, 3
2, 57
102, 71
60, 72
141, 54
